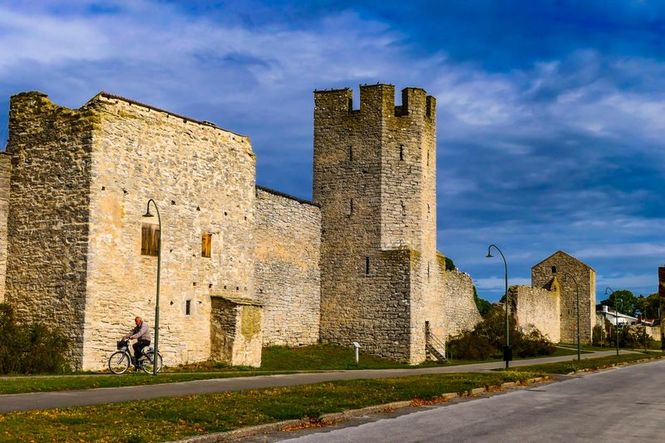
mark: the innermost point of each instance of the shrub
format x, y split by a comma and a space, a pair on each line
31, 348
487, 339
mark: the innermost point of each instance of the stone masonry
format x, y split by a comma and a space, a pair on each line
375, 179
572, 276
288, 281
241, 266
537, 309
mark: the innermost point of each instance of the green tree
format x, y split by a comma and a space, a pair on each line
649, 306
627, 302
484, 307
450, 264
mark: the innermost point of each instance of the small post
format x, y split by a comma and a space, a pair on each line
357, 346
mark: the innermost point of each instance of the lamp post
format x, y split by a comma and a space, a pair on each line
507, 351
616, 316
159, 265
577, 302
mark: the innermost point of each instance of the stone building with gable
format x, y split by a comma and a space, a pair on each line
242, 266
550, 304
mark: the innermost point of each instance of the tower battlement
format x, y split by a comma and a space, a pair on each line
376, 99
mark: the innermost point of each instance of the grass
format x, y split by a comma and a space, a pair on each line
586, 364
276, 360
180, 417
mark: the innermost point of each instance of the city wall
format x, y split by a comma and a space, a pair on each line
5, 176
537, 309
288, 280
460, 312
203, 181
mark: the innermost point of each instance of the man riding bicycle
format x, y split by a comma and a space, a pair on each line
142, 335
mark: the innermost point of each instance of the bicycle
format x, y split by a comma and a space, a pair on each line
121, 359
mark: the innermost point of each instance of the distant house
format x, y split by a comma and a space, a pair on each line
605, 312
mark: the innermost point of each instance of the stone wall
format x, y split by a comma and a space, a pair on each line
236, 336
573, 275
374, 177
5, 175
203, 181
460, 312
537, 308
288, 281
48, 216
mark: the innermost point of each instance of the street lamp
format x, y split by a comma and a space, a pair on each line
507, 351
577, 301
616, 317
155, 363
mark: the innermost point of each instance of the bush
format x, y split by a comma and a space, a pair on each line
31, 348
487, 339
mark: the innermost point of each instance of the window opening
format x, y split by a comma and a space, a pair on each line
401, 152
553, 269
366, 265
206, 245
188, 307
350, 153
149, 239
351, 207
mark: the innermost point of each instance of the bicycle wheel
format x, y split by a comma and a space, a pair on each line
119, 362
147, 362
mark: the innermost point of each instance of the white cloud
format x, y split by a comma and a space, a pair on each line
498, 283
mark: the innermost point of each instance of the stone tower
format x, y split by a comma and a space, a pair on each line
568, 271
375, 180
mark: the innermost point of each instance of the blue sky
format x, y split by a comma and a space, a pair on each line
551, 114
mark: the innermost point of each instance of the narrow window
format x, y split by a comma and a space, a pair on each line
403, 208
351, 207
427, 271
427, 157
366, 265
350, 153
553, 269
149, 239
428, 208
401, 152
206, 245
188, 307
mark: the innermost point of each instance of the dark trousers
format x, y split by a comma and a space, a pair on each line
138, 349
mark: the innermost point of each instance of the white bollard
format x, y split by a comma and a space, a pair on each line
357, 346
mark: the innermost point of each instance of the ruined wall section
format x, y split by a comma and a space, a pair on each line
460, 312
5, 176
288, 279
568, 270
365, 292
537, 308
203, 181
47, 221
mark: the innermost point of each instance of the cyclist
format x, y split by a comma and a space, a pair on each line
142, 335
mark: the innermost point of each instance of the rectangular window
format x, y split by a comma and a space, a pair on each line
149, 239
350, 153
401, 152
188, 307
366, 265
351, 207
206, 245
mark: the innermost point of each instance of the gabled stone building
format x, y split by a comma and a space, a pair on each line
241, 266
550, 304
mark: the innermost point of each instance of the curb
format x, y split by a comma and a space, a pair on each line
339, 417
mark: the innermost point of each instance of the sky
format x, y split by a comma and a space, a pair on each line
550, 114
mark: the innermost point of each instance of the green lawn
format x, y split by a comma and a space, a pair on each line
180, 417
594, 363
276, 359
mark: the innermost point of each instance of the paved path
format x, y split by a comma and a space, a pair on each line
626, 404
60, 399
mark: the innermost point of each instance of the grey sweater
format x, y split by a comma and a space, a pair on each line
141, 332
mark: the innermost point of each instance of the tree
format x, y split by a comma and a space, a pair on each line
627, 302
649, 306
450, 264
484, 307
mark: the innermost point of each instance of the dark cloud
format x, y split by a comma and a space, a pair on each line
550, 113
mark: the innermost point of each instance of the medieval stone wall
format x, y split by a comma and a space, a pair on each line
573, 275
537, 308
460, 312
5, 176
373, 182
288, 281
203, 181
48, 216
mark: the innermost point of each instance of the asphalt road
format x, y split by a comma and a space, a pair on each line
61, 399
618, 405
